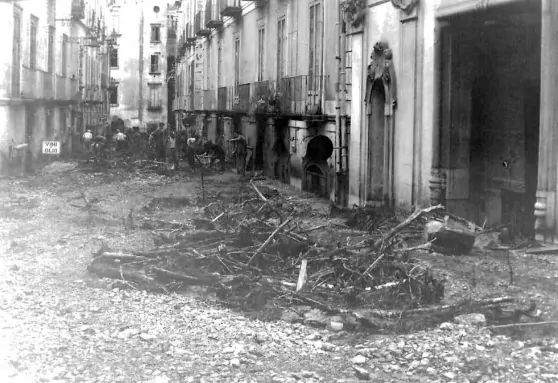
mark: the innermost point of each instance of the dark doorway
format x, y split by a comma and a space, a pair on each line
376, 149
261, 126
490, 103
316, 170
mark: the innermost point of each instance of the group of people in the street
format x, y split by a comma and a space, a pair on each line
167, 145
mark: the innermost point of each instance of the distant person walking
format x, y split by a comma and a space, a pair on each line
158, 141
171, 149
120, 140
87, 142
241, 152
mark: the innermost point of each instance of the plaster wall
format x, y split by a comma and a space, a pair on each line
130, 101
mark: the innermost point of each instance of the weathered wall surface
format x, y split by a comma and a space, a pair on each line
127, 75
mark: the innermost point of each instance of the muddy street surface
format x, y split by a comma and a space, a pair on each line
61, 323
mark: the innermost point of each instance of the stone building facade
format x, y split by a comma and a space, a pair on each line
55, 72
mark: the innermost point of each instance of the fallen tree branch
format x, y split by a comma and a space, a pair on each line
106, 271
205, 280
413, 217
122, 257
522, 324
266, 201
268, 240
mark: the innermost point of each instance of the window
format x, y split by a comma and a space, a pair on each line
116, 23
219, 62
64, 55
315, 45
50, 58
114, 58
261, 53
156, 33
281, 41
33, 42
154, 68
16, 53
208, 60
236, 63
154, 96
113, 94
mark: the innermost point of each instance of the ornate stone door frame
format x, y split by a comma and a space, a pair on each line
380, 70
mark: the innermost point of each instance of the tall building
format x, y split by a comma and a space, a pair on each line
56, 57
138, 64
267, 69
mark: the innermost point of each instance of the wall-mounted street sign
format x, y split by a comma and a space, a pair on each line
51, 147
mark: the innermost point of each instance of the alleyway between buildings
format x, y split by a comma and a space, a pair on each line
61, 323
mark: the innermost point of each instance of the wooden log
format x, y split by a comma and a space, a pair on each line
106, 271
302, 276
413, 217
268, 240
266, 201
450, 241
124, 257
204, 280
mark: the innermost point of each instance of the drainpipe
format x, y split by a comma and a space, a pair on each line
338, 95
343, 90
323, 77
140, 100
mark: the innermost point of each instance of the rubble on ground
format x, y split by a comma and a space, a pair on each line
247, 245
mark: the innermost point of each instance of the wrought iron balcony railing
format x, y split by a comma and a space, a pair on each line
210, 99
154, 105
199, 26
301, 95
212, 14
231, 8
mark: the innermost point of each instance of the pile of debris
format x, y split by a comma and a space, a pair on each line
253, 249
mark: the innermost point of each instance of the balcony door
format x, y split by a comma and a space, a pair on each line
315, 52
281, 46
16, 54
236, 64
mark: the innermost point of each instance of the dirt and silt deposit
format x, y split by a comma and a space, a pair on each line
277, 253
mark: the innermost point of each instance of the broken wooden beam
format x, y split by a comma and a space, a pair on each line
268, 240
413, 217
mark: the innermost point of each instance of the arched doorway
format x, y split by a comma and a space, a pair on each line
316, 175
116, 123
377, 144
376, 140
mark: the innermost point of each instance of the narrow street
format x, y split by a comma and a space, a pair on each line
60, 323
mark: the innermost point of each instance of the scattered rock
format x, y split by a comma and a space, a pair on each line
336, 326
359, 359
235, 362
446, 326
361, 373
147, 337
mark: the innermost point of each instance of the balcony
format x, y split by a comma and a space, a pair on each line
210, 99
198, 100
212, 16
199, 27
78, 9
242, 98
154, 105
231, 8
35, 84
189, 102
190, 35
222, 99
301, 95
